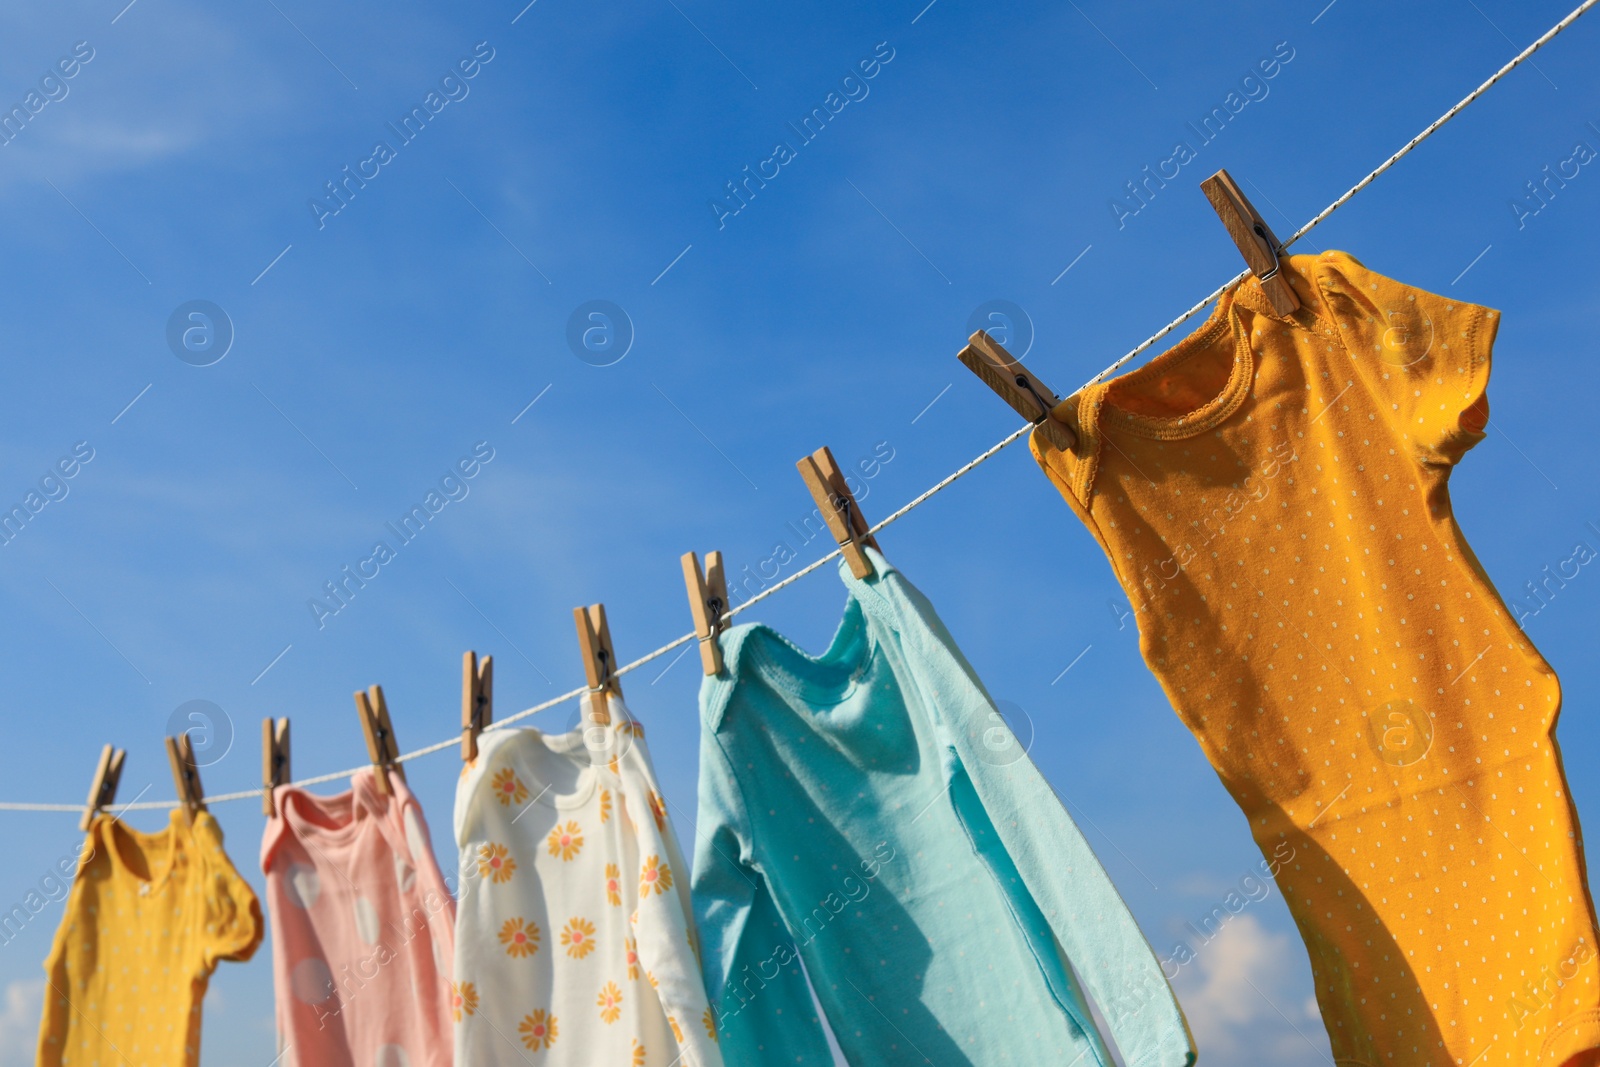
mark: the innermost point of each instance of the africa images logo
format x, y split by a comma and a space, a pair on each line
1401, 733
1407, 336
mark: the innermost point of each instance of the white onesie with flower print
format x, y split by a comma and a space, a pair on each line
574, 937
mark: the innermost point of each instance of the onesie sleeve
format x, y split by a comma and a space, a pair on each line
1091, 924
1423, 359
438, 902
643, 769
1070, 470
662, 930
233, 914
753, 975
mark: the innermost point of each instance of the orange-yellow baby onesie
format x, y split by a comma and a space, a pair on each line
147, 920
1272, 496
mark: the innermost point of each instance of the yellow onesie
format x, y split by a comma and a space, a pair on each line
147, 920
1272, 496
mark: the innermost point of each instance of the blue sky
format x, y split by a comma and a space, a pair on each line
375, 347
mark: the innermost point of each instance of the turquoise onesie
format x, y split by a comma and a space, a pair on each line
869, 816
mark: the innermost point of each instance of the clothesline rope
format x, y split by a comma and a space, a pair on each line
943, 483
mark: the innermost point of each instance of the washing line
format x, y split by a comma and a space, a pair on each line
943, 483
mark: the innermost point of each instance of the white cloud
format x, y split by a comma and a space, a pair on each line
159, 86
20, 1006
77, 145
1202, 884
1235, 996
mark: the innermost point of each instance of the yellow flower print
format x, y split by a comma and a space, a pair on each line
638, 1053
538, 1029
630, 952
651, 977
605, 806
610, 1001
565, 841
508, 787
658, 808
632, 727
495, 863
710, 1022
463, 999
520, 937
677, 1031
578, 937
655, 878
613, 885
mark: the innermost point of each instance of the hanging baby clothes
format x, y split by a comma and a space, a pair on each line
362, 929
575, 943
148, 917
1272, 496
869, 814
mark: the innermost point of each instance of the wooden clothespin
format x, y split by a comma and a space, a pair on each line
1254, 238
477, 701
274, 761
382, 748
708, 601
839, 508
1017, 386
103, 790
599, 660
185, 775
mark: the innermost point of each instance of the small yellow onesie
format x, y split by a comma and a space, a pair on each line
147, 920
1272, 496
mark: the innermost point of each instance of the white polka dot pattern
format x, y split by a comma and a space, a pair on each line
1272, 494
147, 919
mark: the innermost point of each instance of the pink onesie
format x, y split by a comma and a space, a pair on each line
363, 929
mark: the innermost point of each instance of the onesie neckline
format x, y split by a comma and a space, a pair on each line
1099, 398
339, 819
572, 747
819, 682
165, 844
